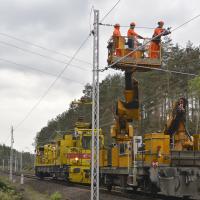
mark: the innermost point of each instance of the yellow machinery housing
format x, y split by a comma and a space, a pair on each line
157, 149
196, 142
70, 157
176, 127
122, 131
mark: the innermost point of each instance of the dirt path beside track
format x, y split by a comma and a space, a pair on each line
35, 189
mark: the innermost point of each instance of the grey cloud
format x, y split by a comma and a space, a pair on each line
62, 25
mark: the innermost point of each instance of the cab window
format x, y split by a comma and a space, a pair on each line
122, 148
86, 142
76, 170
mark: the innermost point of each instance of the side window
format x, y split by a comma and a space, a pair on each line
122, 148
86, 142
76, 170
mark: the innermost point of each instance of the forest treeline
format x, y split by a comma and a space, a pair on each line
158, 91
27, 159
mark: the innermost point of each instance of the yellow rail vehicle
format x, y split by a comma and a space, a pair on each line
70, 157
167, 162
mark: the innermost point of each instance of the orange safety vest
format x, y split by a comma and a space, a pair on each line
132, 38
158, 31
132, 33
116, 32
154, 48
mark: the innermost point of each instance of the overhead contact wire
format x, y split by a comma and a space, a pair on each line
44, 56
41, 71
59, 75
44, 48
104, 17
52, 84
158, 69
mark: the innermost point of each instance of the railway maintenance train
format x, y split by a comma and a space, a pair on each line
70, 157
167, 162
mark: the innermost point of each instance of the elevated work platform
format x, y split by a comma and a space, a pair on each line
137, 58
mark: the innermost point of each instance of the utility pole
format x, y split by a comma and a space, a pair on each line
3, 164
11, 154
15, 162
21, 161
21, 166
95, 112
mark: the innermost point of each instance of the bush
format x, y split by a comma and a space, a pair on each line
9, 195
3, 186
56, 196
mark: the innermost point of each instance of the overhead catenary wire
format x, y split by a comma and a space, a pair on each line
104, 17
158, 69
125, 26
186, 22
19, 124
44, 56
59, 75
42, 47
146, 109
51, 50
38, 70
52, 84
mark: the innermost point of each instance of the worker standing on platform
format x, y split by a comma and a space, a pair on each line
116, 32
154, 48
116, 36
133, 36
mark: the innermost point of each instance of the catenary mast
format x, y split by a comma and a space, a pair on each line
95, 111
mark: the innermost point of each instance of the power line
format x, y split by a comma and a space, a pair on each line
47, 49
41, 71
44, 48
122, 58
158, 69
44, 56
109, 11
53, 83
111, 25
169, 71
145, 27
59, 75
186, 22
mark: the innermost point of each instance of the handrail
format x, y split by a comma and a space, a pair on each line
123, 45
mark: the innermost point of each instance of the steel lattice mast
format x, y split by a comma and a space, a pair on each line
95, 112
11, 155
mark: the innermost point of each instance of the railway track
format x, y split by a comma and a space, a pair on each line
115, 192
129, 194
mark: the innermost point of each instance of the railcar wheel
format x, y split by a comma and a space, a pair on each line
134, 188
41, 177
109, 187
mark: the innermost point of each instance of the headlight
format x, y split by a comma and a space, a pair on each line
76, 159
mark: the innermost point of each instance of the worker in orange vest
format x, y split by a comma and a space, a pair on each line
116, 35
116, 32
133, 36
154, 48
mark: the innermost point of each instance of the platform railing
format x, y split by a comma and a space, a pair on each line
142, 159
123, 45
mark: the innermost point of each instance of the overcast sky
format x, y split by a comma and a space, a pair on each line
61, 25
